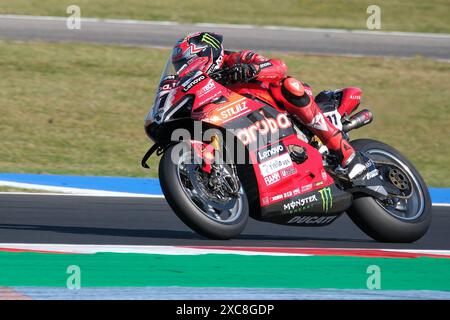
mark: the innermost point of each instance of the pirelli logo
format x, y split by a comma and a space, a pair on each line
327, 198
209, 39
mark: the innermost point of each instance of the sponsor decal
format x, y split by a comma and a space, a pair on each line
263, 127
265, 65
272, 178
169, 77
324, 174
372, 174
167, 86
230, 111
319, 123
288, 172
277, 197
300, 204
327, 198
234, 110
265, 201
274, 165
206, 89
355, 97
193, 82
369, 164
296, 191
312, 220
275, 159
285, 195
306, 188
209, 99
318, 183
273, 150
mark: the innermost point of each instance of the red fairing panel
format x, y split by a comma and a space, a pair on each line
231, 105
280, 178
258, 90
351, 98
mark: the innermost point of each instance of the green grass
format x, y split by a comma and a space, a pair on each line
214, 270
11, 189
397, 15
79, 109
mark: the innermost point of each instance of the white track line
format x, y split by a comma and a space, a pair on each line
232, 26
177, 250
74, 191
66, 191
166, 250
441, 204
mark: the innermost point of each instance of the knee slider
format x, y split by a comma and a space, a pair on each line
294, 92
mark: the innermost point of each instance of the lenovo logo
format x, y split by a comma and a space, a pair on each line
194, 82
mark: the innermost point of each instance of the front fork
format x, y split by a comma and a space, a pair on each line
213, 166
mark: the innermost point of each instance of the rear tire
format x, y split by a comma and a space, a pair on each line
375, 220
190, 213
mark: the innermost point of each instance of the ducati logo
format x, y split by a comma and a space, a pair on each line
312, 220
318, 123
296, 85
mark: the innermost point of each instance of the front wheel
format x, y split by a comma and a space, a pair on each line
208, 210
396, 220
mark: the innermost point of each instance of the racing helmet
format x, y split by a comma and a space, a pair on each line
206, 45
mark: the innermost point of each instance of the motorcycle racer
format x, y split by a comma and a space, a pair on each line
296, 97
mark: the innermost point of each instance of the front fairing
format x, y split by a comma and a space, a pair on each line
163, 95
173, 88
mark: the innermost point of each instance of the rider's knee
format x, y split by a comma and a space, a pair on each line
294, 92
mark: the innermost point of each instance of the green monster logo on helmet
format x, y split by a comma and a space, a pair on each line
209, 39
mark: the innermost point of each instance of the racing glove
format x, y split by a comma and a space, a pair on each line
242, 72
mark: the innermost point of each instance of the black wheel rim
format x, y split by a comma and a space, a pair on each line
225, 210
403, 209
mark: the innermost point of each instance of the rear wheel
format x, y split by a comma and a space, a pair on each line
402, 219
208, 209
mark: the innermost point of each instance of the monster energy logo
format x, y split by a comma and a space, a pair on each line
211, 40
327, 198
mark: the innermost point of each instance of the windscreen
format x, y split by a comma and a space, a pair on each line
161, 97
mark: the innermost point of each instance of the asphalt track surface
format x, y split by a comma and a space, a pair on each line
68, 219
164, 34
108, 220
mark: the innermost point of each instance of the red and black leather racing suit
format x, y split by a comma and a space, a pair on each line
296, 97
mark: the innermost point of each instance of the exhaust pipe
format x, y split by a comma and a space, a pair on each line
358, 120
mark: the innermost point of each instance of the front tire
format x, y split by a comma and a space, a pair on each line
190, 208
386, 224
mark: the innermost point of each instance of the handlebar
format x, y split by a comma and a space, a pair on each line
220, 75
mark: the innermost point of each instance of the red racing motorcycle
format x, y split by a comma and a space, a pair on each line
230, 152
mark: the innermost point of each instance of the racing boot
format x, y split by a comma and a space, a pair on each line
299, 101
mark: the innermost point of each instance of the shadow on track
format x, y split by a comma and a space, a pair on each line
162, 234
